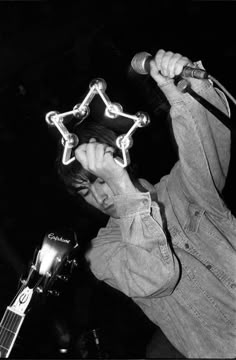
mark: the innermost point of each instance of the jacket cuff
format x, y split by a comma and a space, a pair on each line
133, 203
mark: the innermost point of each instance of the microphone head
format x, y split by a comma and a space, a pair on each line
139, 63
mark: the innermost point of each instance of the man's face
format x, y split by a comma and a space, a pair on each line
99, 195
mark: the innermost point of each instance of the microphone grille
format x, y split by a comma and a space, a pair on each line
138, 62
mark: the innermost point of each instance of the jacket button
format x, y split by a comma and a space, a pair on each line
145, 202
233, 286
197, 213
186, 246
209, 267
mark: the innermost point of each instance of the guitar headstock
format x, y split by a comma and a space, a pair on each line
55, 260
57, 252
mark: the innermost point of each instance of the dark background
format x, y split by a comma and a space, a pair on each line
49, 53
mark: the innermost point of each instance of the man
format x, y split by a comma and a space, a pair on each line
171, 246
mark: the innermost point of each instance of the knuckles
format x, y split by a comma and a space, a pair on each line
164, 61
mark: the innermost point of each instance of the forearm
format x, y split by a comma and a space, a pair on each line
203, 141
121, 185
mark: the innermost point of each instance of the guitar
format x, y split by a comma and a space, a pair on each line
55, 254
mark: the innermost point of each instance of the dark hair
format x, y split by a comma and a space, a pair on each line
74, 173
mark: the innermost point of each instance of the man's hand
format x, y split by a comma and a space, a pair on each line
98, 159
166, 65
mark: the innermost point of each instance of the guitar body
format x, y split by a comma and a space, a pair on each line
57, 251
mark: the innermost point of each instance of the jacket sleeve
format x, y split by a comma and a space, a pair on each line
203, 142
132, 253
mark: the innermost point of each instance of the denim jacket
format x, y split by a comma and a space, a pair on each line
173, 248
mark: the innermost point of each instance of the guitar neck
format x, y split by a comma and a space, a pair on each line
9, 328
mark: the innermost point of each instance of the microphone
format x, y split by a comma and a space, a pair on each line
141, 65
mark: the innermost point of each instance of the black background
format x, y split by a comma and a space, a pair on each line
49, 53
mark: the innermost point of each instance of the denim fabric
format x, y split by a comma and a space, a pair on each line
173, 248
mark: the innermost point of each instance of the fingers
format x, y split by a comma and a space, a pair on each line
174, 65
93, 154
168, 64
81, 155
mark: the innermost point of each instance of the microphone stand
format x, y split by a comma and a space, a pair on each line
185, 87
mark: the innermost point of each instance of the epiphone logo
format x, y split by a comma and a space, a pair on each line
52, 236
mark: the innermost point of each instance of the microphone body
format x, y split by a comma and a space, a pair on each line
141, 65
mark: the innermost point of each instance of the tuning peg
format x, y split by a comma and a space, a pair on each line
54, 292
75, 262
48, 274
72, 262
62, 277
39, 290
23, 281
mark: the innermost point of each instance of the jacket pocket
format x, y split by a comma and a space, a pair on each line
194, 216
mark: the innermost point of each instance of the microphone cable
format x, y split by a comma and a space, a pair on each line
222, 88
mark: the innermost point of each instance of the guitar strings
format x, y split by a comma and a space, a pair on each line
11, 322
8, 328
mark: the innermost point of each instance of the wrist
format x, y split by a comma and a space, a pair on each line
121, 185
